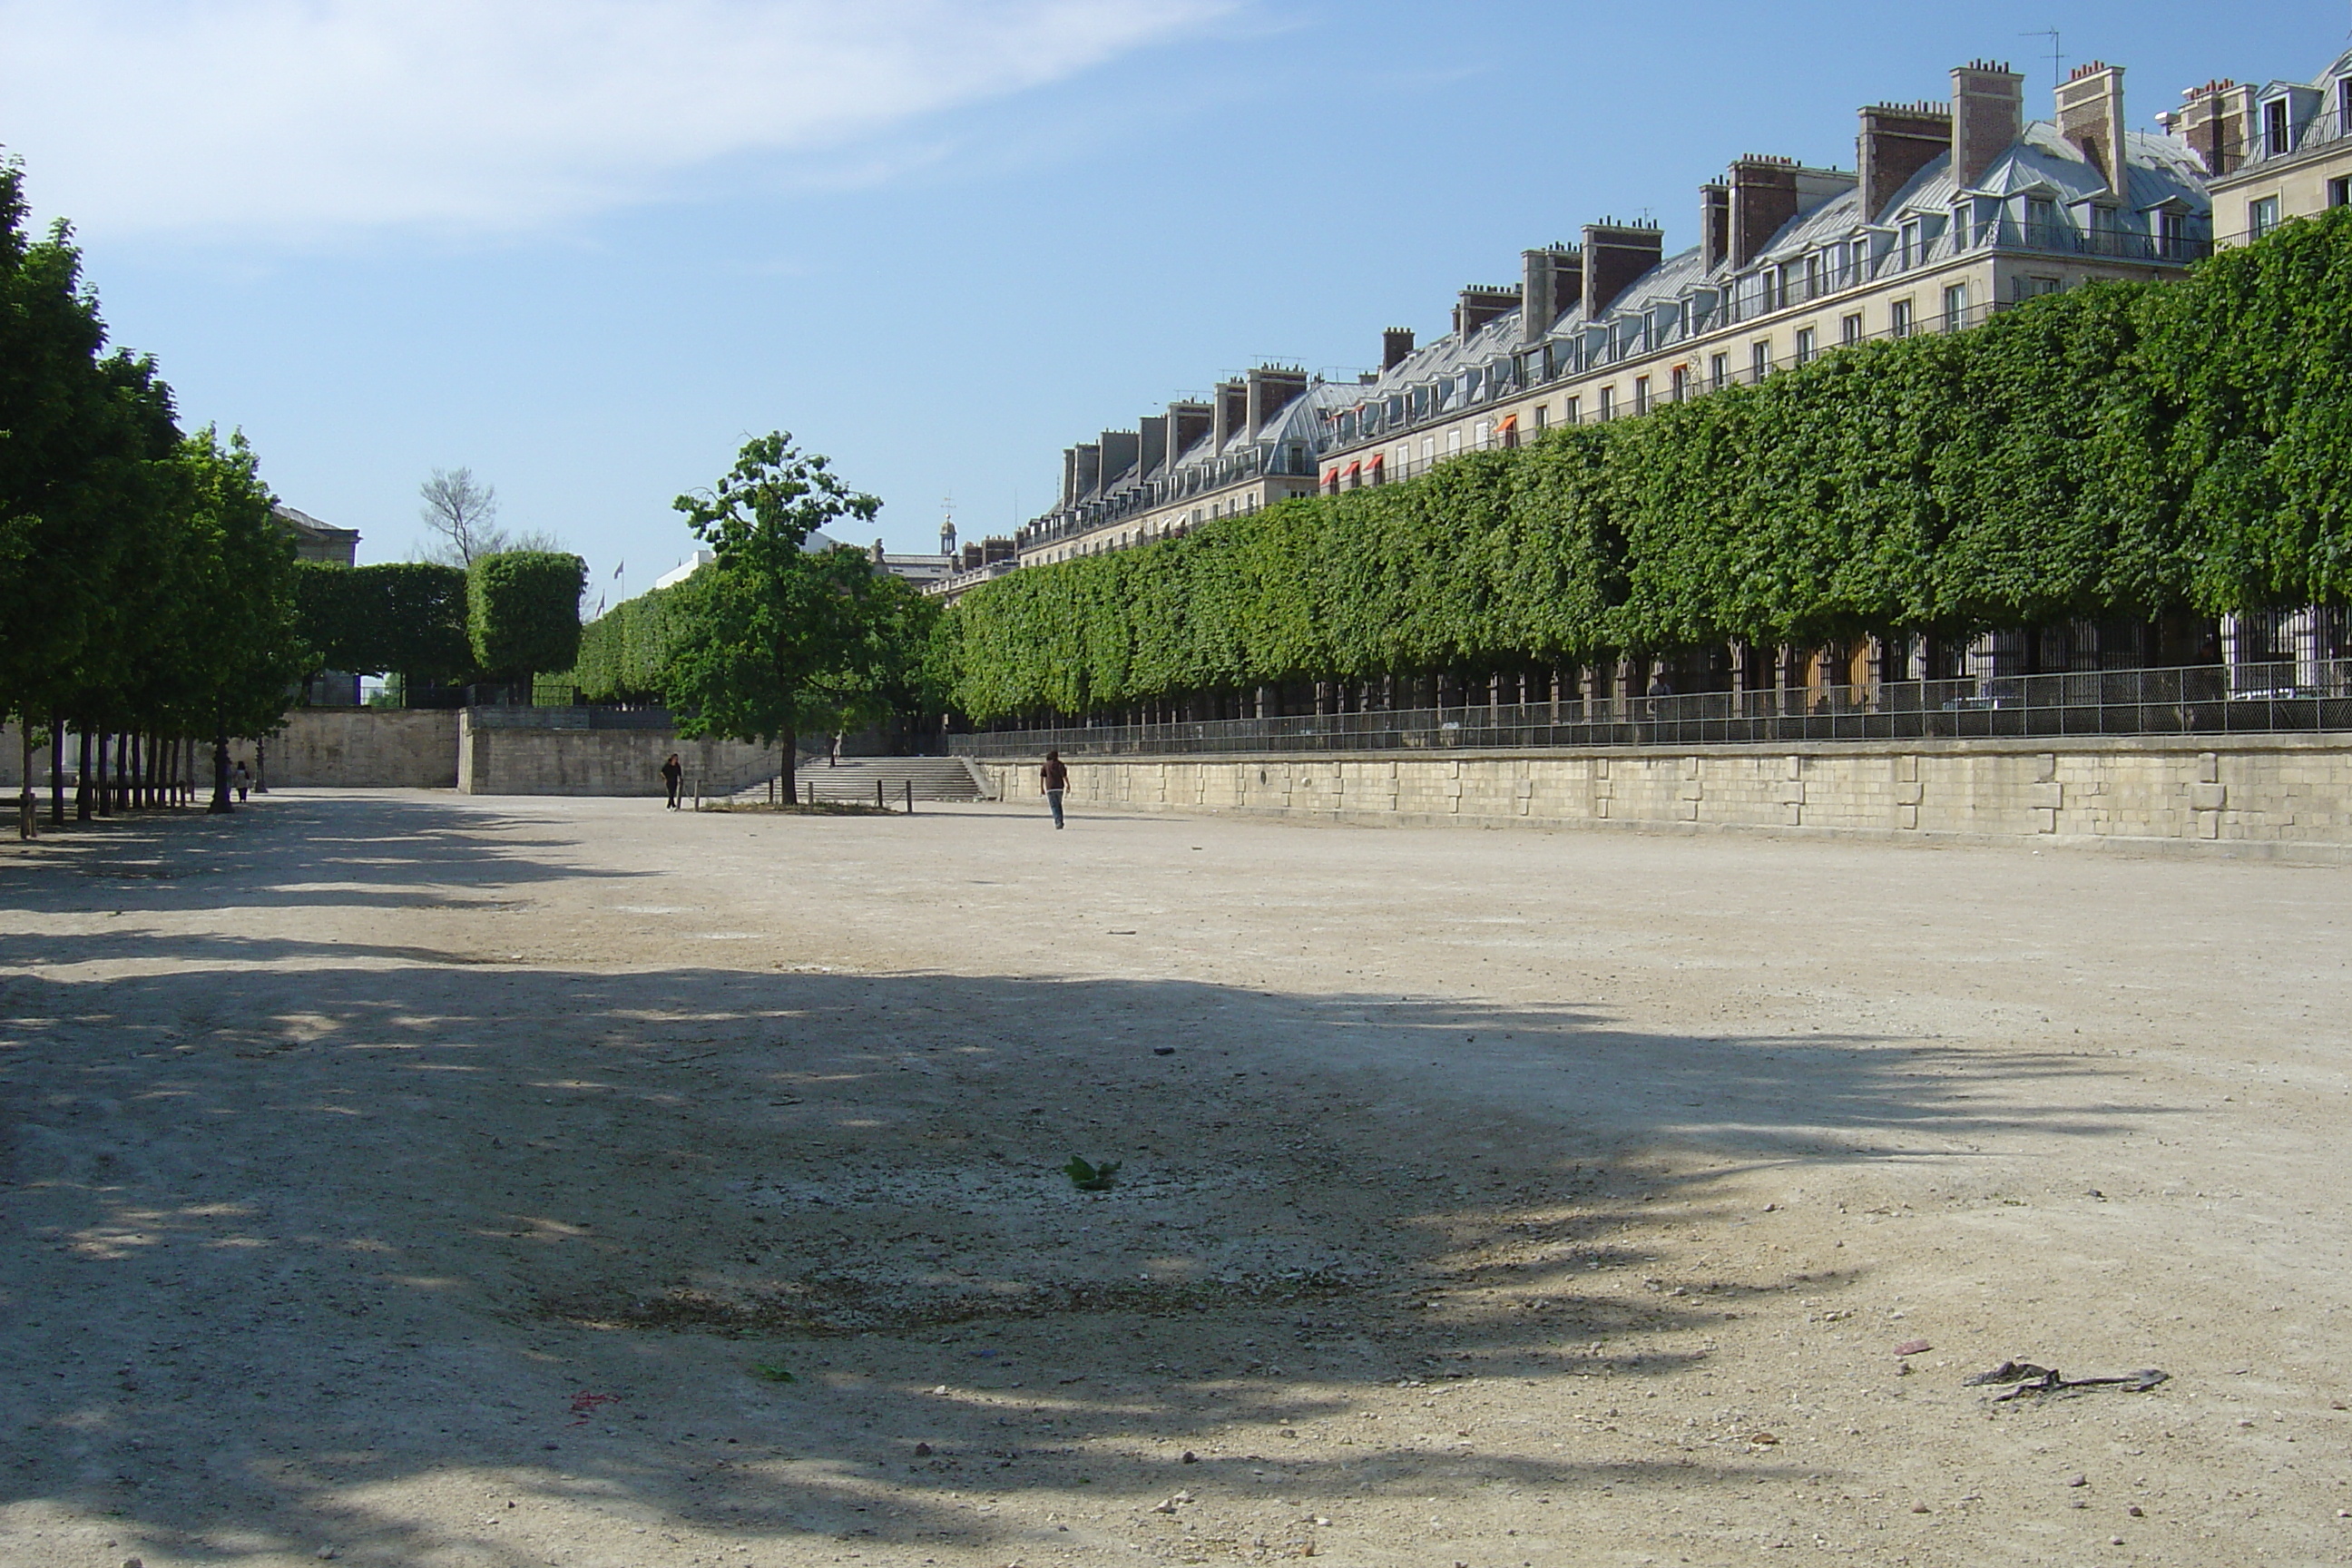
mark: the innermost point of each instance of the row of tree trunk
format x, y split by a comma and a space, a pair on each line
120, 772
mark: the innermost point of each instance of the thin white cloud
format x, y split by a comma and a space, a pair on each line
306, 117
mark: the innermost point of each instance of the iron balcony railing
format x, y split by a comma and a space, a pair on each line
2290, 696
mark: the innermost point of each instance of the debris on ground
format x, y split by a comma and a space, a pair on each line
2027, 1380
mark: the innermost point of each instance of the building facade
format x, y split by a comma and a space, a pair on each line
1953, 211
1255, 442
2270, 153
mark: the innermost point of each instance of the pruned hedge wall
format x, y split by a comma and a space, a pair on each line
2118, 451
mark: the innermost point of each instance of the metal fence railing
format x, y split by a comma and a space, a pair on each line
2307, 695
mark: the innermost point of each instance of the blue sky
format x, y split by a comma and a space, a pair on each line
585, 246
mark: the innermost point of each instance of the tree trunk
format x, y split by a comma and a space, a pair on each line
27, 802
102, 787
57, 771
134, 747
791, 744
221, 802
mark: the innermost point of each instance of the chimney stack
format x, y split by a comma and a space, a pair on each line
1153, 430
1069, 476
1615, 253
2091, 116
1763, 199
1089, 474
1896, 141
2217, 120
1481, 304
1396, 347
1187, 423
1119, 450
1553, 281
1232, 411
1714, 224
1272, 389
1987, 116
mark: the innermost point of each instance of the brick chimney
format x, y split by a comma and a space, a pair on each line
1480, 305
1272, 389
1896, 141
1069, 475
1087, 475
1714, 224
1988, 117
1187, 423
1232, 411
1763, 199
2091, 116
2217, 120
1119, 449
1552, 281
1396, 347
1615, 253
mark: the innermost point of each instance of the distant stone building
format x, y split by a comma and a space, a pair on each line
1256, 442
316, 540
1954, 210
2270, 153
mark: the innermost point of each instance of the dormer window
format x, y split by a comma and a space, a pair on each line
2041, 220
2274, 128
2344, 106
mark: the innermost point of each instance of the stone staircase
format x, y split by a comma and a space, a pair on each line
934, 778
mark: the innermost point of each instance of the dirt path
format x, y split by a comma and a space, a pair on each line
438, 1181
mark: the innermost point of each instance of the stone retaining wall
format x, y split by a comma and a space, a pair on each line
498, 760
360, 748
2286, 794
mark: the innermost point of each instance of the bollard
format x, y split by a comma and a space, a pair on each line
880, 804
910, 797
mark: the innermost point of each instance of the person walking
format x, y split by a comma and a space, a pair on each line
672, 775
1054, 778
242, 779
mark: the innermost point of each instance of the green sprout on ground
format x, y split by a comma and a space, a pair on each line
1090, 1178
773, 1373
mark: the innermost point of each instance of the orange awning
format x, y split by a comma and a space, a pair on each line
1351, 470
1376, 459
1510, 422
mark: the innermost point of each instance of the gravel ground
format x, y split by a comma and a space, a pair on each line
408, 1179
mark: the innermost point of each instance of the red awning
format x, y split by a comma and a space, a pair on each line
1376, 459
1510, 422
1351, 470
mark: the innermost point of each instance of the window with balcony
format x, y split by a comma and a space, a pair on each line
1681, 381
1805, 345
2041, 221
2274, 128
1718, 372
1759, 360
2261, 216
1542, 417
1899, 319
1956, 307
2339, 193
1572, 413
1850, 329
1641, 395
1912, 253
2344, 106
1608, 403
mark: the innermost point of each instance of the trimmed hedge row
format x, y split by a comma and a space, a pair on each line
2119, 451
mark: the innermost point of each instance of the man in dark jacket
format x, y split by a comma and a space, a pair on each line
1054, 778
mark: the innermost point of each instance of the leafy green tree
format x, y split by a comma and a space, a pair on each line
406, 617
773, 639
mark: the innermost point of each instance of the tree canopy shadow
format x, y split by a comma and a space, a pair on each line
791, 1255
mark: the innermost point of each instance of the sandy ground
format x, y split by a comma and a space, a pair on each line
413, 1180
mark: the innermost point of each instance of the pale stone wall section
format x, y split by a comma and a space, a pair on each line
2286, 793
500, 761
362, 748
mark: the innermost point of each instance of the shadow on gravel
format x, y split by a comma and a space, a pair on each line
789, 1256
